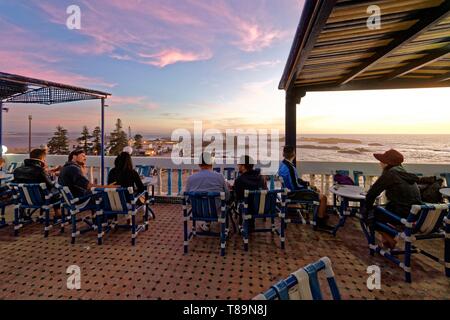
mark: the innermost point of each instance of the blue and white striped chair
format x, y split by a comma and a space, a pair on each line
114, 202
11, 167
76, 206
424, 222
145, 171
303, 284
207, 207
263, 204
31, 198
6, 194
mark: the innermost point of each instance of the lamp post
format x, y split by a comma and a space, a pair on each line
29, 133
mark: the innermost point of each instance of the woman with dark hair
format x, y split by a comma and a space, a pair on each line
400, 188
124, 175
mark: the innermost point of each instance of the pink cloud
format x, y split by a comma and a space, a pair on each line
138, 101
171, 56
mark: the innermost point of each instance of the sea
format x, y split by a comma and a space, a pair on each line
321, 147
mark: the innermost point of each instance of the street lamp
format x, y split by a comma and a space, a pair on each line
29, 133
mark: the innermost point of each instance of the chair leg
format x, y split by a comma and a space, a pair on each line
282, 235
63, 219
447, 247
3, 220
99, 218
73, 216
146, 216
407, 266
46, 222
185, 230
133, 228
222, 238
372, 243
245, 232
273, 224
16, 221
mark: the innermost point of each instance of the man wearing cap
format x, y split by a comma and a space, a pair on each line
207, 180
400, 188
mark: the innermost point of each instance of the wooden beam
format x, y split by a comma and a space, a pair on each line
442, 78
431, 17
431, 57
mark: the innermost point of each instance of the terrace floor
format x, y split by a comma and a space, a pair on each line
32, 267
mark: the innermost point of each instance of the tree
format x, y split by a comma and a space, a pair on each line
118, 139
84, 141
97, 140
138, 142
59, 143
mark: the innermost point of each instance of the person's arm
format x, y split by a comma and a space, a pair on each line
239, 189
377, 188
138, 182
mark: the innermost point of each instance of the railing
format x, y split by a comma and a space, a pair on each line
318, 173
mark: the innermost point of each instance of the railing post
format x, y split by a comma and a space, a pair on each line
272, 182
159, 171
169, 182
180, 181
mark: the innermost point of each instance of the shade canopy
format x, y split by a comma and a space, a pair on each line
20, 89
334, 48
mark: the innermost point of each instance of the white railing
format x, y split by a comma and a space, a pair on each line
318, 173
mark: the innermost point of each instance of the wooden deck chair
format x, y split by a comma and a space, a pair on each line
263, 204
31, 198
303, 284
76, 206
206, 207
114, 202
424, 222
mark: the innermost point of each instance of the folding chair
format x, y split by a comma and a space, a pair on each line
424, 222
30, 198
11, 167
207, 207
303, 284
263, 204
76, 206
114, 202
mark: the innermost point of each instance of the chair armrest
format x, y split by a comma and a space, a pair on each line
86, 197
389, 214
142, 194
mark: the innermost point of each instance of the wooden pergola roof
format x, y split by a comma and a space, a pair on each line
334, 49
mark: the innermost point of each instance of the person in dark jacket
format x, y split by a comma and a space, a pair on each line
124, 175
73, 174
249, 179
400, 187
34, 171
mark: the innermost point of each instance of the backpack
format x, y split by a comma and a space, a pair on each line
343, 180
429, 189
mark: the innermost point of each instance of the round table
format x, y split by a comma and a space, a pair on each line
445, 192
347, 194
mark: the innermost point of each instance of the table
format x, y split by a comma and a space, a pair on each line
445, 192
347, 194
5, 177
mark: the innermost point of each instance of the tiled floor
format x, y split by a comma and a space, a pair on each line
32, 267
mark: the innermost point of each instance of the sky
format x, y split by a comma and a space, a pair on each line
169, 63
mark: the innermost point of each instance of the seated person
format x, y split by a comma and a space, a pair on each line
207, 180
124, 175
401, 189
74, 175
288, 172
33, 171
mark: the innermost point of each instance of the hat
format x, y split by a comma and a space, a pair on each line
246, 160
391, 157
128, 149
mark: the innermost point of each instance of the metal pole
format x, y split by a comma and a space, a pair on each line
29, 133
102, 157
1, 128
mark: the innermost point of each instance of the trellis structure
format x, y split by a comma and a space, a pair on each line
20, 89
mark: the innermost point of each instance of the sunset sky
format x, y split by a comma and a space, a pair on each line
170, 62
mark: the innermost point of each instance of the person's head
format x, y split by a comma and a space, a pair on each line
128, 149
245, 164
206, 161
289, 153
78, 156
38, 154
389, 159
123, 162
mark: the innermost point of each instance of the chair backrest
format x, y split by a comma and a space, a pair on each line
303, 284
11, 167
67, 196
115, 199
30, 195
144, 170
205, 204
427, 219
262, 202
